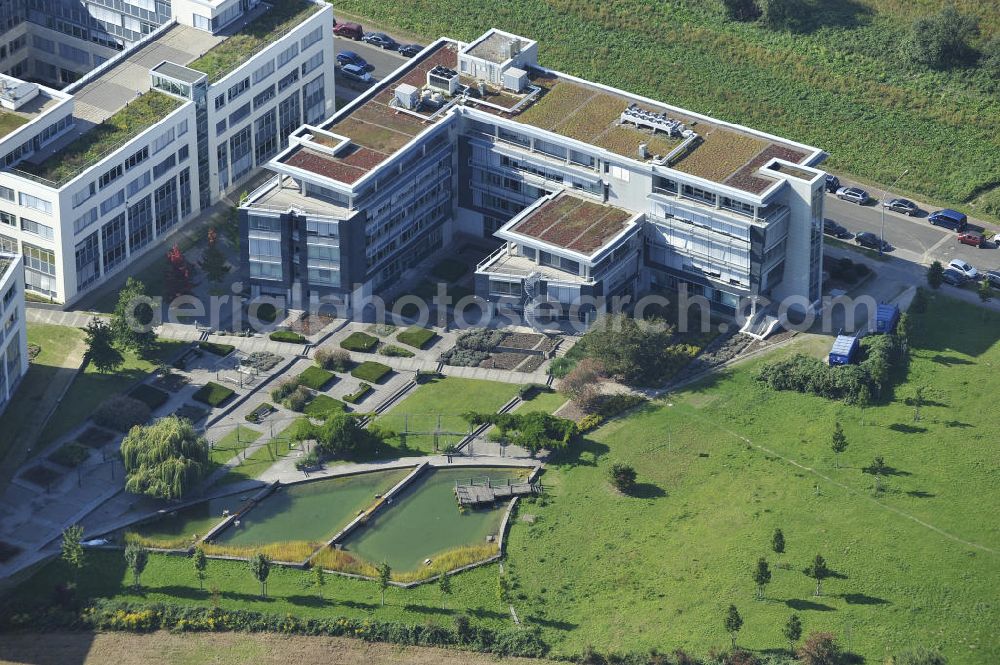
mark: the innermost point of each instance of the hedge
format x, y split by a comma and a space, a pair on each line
370, 371
287, 336
416, 336
213, 394
121, 413
358, 394
315, 378
323, 405
152, 397
262, 411
216, 348
71, 455
395, 351
359, 341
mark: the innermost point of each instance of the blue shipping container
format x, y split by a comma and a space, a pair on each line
845, 349
886, 318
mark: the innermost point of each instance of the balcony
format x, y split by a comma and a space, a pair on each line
503, 263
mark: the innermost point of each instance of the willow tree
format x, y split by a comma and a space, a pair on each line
166, 459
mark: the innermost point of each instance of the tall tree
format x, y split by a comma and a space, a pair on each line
877, 469
260, 566
131, 318
778, 541
444, 584
635, 351
733, 623
136, 558
100, 346
761, 576
943, 40
792, 631
213, 261
165, 460
820, 649
838, 442
319, 580
200, 562
72, 549
819, 571
384, 575
935, 275
177, 280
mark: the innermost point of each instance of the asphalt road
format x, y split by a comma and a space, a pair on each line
381, 61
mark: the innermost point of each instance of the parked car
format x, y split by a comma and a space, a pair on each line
349, 30
964, 268
974, 238
871, 241
905, 206
953, 277
356, 73
832, 228
993, 277
853, 194
950, 219
351, 58
381, 40
410, 50
832, 183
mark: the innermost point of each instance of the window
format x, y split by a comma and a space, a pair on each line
286, 56
238, 89
239, 114
113, 202
314, 100
138, 185
140, 224
222, 156
74, 54
182, 128
136, 159
618, 172
163, 140
84, 194
165, 200
8, 219
290, 117
263, 71
38, 229
111, 176
240, 153
220, 127
311, 38
160, 169
6, 193
288, 80
85, 220
42, 260
312, 63
43, 44
183, 153
202, 22
220, 102
184, 180
266, 136
499, 288
264, 97
35, 203
113, 239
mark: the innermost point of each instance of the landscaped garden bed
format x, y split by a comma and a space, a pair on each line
316, 378
323, 405
395, 351
533, 362
358, 394
505, 360
416, 337
472, 347
312, 324
287, 336
171, 382
95, 437
152, 397
217, 348
359, 341
371, 371
516, 340
41, 476
262, 361
71, 455
260, 412
191, 412
213, 394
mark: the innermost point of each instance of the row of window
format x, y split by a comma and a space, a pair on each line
37, 142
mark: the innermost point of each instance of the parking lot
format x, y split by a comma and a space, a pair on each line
381, 61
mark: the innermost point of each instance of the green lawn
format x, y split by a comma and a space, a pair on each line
91, 388
56, 343
9, 122
264, 457
445, 399
547, 402
228, 446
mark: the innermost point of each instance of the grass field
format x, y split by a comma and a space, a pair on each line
233, 443
265, 456
547, 402
443, 401
835, 80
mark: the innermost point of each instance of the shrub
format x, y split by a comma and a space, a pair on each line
560, 367
942, 40
152, 397
284, 388
423, 376
71, 455
613, 405
820, 649
297, 399
622, 476
395, 351
213, 394
359, 341
479, 339
335, 360
464, 357
287, 336
315, 378
534, 430
358, 394
370, 371
259, 413
310, 461
262, 361
267, 312
121, 413
216, 348
590, 422
416, 336
920, 656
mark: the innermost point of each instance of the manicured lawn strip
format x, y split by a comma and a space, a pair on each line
231, 444
152, 397
213, 394
359, 341
323, 405
547, 402
216, 348
370, 371
287, 336
444, 399
264, 457
416, 336
316, 378
91, 388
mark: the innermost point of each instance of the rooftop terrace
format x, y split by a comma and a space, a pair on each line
573, 223
10, 121
253, 33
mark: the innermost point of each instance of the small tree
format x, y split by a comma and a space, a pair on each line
260, 566
136, 558
917, 402
985, 294
131, 318
213, 261
72, 549
778, 541
177, 281
820, 649
319, 580
942, 40
100, 346
761, 576
877, 469
838, 442
623, 477
384, 575
580, 385
444, 585
733, 623
200, 562
819, 571
935, 275
792, 631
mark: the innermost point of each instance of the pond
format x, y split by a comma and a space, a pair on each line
181, 528
425, 520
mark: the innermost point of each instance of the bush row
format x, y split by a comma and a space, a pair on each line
359, 341
335, 360
287, 336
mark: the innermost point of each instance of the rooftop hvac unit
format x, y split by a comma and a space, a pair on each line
14, 93
643, 151
443, 79
407, 96
640, 117
515, 79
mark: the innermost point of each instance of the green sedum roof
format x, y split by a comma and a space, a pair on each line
9, 122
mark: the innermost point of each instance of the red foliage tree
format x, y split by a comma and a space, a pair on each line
820, 649
178, 277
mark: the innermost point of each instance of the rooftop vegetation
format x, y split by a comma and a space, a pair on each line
253, 37
136, 117
9, 122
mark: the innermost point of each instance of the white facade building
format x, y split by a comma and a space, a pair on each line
13, 333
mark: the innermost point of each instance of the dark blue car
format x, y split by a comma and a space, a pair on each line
351, 58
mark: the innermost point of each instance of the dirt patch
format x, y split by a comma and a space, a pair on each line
223, 649
310, 324
503, 360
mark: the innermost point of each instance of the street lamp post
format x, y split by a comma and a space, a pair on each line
885, 196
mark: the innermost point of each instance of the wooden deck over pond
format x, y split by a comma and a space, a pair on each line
477, 494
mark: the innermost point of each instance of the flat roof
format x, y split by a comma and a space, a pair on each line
573, 223
494, 46
12, 120
285, 197
177, 72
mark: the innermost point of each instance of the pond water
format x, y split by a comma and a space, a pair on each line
425, 520
183, 527
310, 512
